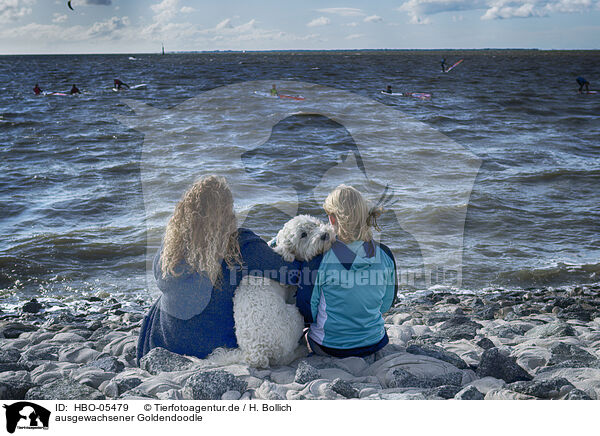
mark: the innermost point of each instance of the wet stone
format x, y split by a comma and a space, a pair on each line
32, 306
12, 330
485, 343
41, 352
344, 388
563, 352
211, 385
497, 365
161, 360
14, 385
577, 394
405, 379
446, 391
108, 364
306, 373
547, 389
488, 312
469, 393
437, 353
64, 389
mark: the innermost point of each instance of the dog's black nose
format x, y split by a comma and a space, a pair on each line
324, 236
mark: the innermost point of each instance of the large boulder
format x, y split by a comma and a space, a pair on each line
556, 328
498, 365
547, 389
410, 370
437, 353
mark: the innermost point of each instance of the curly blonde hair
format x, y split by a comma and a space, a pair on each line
353, 217
203, 230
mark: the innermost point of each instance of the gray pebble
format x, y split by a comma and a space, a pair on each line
343, 388
306, 373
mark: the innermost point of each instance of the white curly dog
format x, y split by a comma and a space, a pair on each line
268, 326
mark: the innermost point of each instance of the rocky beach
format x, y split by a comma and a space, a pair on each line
492, 345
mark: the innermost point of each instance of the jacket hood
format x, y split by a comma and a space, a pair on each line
355, 256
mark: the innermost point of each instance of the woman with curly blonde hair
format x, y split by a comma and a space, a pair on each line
202, 260
353, 285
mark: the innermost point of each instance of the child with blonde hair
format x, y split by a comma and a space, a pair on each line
348, 288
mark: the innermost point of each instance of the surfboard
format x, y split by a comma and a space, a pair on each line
453, 65
421, 95
292, 97
268, 94
132, 88
55, 93
590, 92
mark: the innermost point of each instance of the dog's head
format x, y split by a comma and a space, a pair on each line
303, 237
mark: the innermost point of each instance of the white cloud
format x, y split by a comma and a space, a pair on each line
503, 9
321, 21
225, 24
226, 27
373, 19
108, 28
181, 35
59, 18
355, 36
42, 32
419, 11
11, 10
76, 3
226, 32
344, 12
165, 11
250, 26
415, 19
187, 10
352, 24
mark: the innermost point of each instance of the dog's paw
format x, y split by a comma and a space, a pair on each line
288, 257
285, 252
256, 360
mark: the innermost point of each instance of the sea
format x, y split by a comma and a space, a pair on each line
79, 217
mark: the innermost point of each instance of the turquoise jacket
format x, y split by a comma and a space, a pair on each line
343, 295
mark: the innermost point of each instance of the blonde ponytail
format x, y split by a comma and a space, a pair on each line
353, 217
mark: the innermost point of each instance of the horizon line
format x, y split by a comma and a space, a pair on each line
242, 51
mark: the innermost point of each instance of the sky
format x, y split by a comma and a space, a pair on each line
136, 26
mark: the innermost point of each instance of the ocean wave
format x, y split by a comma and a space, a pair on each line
559, 274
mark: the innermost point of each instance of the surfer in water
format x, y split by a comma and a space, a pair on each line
120, 85
37, 90
443, 63
274, 92
581, 81
75, 90
389, 89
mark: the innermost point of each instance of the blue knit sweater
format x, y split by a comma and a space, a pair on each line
192, 316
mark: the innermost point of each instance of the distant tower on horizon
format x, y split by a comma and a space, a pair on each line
163, 48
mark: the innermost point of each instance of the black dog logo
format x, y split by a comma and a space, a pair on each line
26, 414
